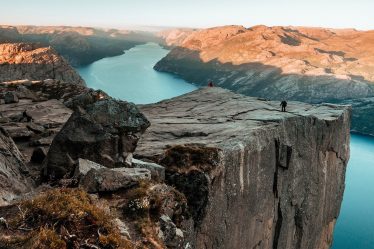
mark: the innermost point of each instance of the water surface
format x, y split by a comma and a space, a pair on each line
131, 76
355, 225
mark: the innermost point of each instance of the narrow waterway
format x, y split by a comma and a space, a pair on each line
131, 76
355, 226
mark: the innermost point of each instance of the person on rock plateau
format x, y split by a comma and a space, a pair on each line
283, 104
210, 84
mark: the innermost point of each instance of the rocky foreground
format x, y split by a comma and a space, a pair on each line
210, 169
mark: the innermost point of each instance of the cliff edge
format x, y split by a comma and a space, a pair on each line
254, 177
20, 61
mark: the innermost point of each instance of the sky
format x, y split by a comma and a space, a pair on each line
357, 14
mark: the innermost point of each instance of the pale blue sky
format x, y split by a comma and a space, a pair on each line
190, 13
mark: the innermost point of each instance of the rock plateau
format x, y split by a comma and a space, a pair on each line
254, 177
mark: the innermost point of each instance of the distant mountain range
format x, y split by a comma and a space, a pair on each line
79, 45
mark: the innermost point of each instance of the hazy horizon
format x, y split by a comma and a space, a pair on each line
192, 14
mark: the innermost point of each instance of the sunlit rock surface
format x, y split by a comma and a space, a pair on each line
20, 61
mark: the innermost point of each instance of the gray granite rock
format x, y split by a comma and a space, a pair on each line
84, 166
254, 177
157, 171
108, 180
106, 132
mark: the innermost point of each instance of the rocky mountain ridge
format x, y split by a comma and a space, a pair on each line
295, 50
20, 61
78, 45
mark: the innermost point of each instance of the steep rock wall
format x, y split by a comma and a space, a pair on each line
254, 177
20, 61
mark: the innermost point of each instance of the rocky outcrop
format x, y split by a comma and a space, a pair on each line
110, 180
20, 61
105, 132
13, 182
254, 177
33, 123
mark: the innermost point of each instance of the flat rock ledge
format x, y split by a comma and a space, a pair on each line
254, 177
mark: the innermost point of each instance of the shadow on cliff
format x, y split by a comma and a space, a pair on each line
78, 49
260, 80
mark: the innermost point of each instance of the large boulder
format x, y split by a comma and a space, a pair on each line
108, 180
105, 132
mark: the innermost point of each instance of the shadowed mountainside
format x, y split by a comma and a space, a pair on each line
261, 80
295, 63
310, 64
79, 45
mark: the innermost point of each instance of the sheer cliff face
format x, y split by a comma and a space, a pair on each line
308, 64
254, 177
29, 61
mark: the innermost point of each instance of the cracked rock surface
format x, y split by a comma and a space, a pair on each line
254, 177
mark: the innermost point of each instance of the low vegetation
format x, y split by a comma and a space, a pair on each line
59, 219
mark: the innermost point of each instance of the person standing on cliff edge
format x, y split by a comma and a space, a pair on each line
283, 104
210, 84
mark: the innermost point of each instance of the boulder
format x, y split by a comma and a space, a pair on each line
38, 155
10, 97
85, 99
171, 235
84, 166
108, 180
105, 132
157, 171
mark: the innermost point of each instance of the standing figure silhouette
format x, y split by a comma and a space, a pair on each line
283, 104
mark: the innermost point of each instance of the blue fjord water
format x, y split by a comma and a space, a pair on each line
355, 225
131, 77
